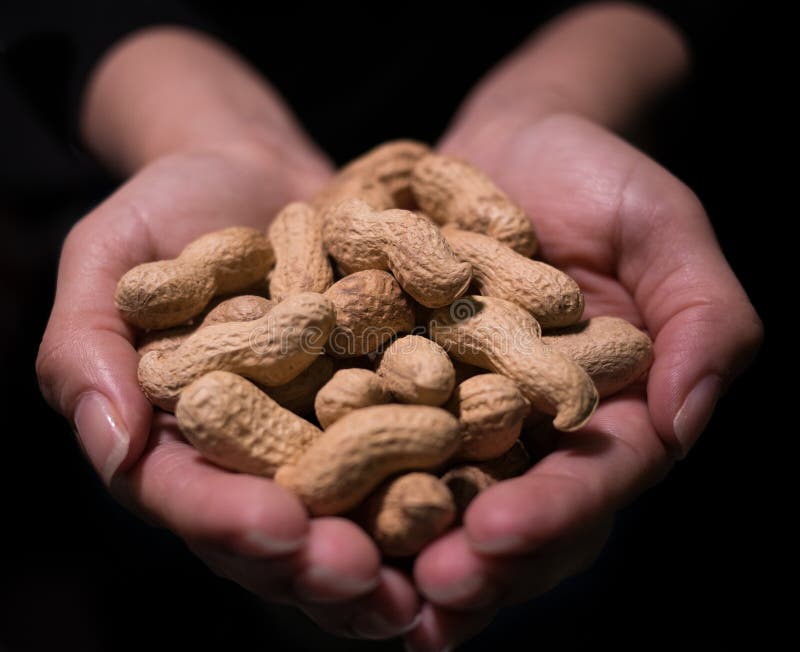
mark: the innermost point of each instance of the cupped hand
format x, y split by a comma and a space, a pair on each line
640, 246
244, 527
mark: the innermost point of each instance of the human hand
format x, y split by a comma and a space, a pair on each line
190, 178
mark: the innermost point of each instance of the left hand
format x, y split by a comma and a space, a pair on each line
640, 246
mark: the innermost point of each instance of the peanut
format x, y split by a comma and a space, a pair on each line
235, 425
612, 351
408, 512
348, 390
416, 370
381, 177
551, 296
371, 308
407, 244
490, 411
467, 481
301, 262
298, 394
365, 447
271, 350
245, 307
170, 292
502, 337
453, 191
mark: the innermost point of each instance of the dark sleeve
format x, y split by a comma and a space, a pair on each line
49, 49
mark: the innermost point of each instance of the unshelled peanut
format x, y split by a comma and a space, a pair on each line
298, 394
416, 370
170, 292
365, 447
348, 390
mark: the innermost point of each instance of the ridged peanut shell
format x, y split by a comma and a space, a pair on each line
405, 243
348, 390
468, 480
168, 293
498, 335
271, 350
452, 191
549, 294
612, 351
490, 411
406, 513
371, 309
418, 371
365, 447
298, 394
237, 426
301, 262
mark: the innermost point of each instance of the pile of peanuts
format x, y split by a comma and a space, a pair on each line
396, 393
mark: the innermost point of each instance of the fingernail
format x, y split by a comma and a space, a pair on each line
473, 588
103, 436
695, 413
499, 545
321, 584
371, 624
265, 544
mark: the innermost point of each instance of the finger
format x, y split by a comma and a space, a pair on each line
706, 331
443, 629
589, 476
388, 611
86, 364
451, 574
175, 487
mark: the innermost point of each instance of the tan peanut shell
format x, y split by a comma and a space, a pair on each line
549, 294
245, 307
301, 262
490, 410
381, 177
365, 447
404, 243
406, 513
271, 350
371, 309
237, 426
612, 351
348, 390
170, 292
498, 335
418, 371
298, 394
468, 480
452, 191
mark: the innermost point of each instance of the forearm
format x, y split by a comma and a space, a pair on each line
601, 61
170, 89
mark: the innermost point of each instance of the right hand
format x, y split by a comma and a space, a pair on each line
244, 527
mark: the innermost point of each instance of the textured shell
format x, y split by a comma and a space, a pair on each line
490, 410
365, 447
450, 190
405, 243
549, 294
416, 370
612, 351
271, 350
468, 480
235, 425
408, 512
301, 262
348, 390
245, 307
381, 177
170, 292
502, 337
298, 394
371, 309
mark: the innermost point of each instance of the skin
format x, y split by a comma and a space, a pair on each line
207, 145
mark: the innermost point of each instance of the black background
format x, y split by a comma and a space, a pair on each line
686, 562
